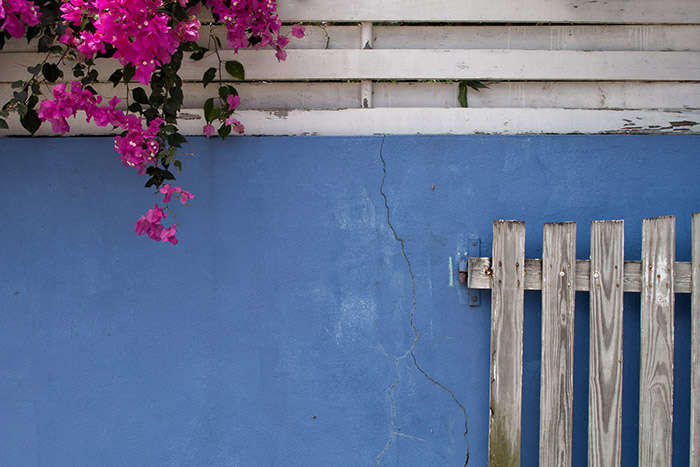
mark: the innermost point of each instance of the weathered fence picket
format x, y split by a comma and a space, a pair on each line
656, 366
605, 347
606, 276
558, 292
507, 342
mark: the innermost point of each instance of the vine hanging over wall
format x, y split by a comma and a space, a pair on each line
148, 40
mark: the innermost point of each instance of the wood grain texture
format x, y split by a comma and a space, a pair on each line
422, 121
500, 11
656, 343
662, 37
557, 370
695, 352
327, 95
605, 358
480, 275
506, 343
406, 64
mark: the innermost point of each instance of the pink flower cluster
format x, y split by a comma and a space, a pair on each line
137, 148
18, 14
233, 101
139, 32
255, 18
150, 224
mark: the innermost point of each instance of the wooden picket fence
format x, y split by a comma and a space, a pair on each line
605, 276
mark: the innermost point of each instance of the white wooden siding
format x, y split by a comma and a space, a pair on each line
606, 68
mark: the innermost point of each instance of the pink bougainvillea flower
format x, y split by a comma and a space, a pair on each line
184, 195
281, 55
298, 31
155, 215
18, 14
189, 30
233, 101
168, 235
142, 226
235, 125
168, 191
208, 130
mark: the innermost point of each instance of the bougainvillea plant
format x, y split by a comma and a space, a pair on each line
148, 40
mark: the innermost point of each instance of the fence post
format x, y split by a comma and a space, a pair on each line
506, 343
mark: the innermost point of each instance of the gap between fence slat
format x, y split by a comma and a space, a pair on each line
506, 344
605, 349
557, 385
656, 343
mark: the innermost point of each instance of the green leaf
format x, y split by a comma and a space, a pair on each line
167, 175
169, 128
17, 84
151, 114
462, 94
224, 131
156, 99
475, 85
140, 96
56, 49
225, 91
177, 164
209, 76
44, 44
208, 108
170, 107
30, 121
35, 88
135, 107
129, 72
51, 72
176, 94
235, 69
116, 77
151, 181
78, 70
34, 70
33, 101
19, 96
3, 126
215, 114
176, 140
189, 46
198, 55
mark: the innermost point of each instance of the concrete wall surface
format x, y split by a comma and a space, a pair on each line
309, 315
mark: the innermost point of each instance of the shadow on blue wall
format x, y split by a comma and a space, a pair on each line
301, 321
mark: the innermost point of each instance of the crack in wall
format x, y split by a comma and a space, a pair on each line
392, 433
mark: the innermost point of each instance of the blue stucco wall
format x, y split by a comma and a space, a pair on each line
279, 331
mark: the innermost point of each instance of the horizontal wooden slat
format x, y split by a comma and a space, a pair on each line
433, 121
538, 11
537, 37
524, 37
532, 94
430, 64
480, 276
